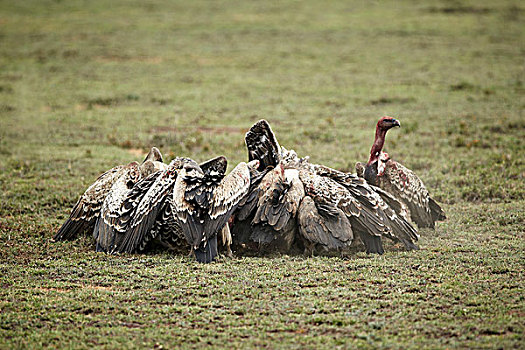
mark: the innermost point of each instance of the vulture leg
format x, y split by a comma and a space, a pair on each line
226, 239
208, 252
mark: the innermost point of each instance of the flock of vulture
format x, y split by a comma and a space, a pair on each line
277, 202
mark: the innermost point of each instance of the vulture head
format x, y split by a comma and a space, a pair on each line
383, 125
386, 123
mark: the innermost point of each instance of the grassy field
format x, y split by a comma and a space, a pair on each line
86, 85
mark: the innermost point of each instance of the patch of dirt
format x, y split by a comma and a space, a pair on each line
388, 100
462, 86
208, 129
141, 59
60, 290
96, 287
6, 108
131, 325
136, 152
461, 10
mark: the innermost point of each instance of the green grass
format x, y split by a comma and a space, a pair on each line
88, 85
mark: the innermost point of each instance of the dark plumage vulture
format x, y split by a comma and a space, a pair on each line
86, 211
266, 221
151, 210
109, 228
399, 181
203, 217
105, 227
185, 205
147, 211
324, 208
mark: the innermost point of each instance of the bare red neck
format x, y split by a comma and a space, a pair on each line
379, 141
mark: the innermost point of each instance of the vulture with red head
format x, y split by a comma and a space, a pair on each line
297, 201
399, 181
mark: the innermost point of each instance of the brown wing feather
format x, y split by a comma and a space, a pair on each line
107, 224
226, 197
366, 220
86, 210
262, 145
281, 195
378, 219
407, 186
327, 226
398, 206
157, 190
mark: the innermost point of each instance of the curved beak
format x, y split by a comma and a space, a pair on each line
397, 123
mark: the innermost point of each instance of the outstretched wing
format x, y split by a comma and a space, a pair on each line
226, 197
262, 145
187, 212
133, 199
215, 167
201, 193
112, 228
86, 210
